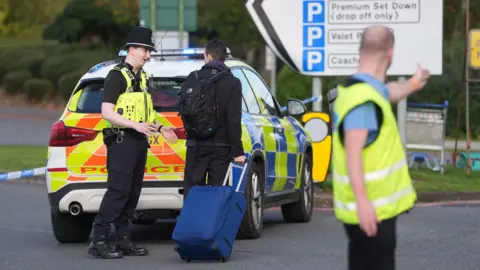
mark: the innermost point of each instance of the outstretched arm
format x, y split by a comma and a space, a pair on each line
401, 90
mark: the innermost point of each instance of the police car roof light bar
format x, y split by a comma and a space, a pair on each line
177, 52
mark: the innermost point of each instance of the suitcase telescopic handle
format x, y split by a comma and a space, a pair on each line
229, 176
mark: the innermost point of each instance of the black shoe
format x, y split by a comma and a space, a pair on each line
102, 250
127, 248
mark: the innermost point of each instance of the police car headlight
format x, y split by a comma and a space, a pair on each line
317, 128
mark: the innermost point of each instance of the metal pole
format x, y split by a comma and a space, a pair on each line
273, 76
457, 133
442, 161
401, 116
467, 90
317, 92
181, 8
153, 14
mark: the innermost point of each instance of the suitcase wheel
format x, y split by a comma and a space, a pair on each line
223, 259
187, 260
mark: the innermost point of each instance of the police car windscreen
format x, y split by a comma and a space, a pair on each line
164, 93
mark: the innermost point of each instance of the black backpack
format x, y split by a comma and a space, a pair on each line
197, 105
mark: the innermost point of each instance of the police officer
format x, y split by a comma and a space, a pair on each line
371, 180
128, 110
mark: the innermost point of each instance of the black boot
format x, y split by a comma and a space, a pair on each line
99, 246
124, 242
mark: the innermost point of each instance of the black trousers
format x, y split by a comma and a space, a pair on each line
126, 166
372, 253
201, 160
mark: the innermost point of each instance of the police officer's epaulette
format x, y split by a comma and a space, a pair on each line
119, 66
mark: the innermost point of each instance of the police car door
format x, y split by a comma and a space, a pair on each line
282, 161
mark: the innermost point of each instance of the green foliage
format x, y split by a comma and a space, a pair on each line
233, 24
80, 60
19, 157
68, 82
26, 18
291, 84
56, 66
87, 21
46, 61
79, 18
15, 80
36, 89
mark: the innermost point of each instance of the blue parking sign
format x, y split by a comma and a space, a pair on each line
314, 11
314, 36
314, 60
314, 32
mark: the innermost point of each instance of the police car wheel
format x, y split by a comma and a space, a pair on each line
71, 229
301, 210
252, 223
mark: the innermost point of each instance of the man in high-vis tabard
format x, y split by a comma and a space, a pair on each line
130, 117
371, 181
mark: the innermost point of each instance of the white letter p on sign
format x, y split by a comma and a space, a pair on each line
313, 57
314, 33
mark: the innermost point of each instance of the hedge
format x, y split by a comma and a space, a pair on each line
15, 80
36, 89
67, 83
61, 65
54, 67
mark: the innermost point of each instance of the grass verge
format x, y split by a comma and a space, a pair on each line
19, 157
424, 180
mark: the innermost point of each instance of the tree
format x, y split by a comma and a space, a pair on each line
230, 19
82, 20
99, 22
25, 19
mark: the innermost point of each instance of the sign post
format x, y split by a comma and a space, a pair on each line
321, 37
271, 65
170, 20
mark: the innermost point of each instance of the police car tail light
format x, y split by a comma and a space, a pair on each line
62, 135
180, 132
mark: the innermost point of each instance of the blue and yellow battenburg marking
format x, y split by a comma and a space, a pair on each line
282, 144
319, 127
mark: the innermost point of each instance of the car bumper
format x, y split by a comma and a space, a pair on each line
155, 195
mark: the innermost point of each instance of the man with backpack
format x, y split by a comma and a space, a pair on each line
210, 106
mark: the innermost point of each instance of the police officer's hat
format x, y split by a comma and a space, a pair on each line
141, 37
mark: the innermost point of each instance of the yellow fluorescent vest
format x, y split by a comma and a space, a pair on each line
135, 106
386, 176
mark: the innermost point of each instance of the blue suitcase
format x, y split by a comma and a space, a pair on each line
209, 221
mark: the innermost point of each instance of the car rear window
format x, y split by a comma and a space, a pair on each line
164, 93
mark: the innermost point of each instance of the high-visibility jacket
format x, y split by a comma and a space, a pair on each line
135, 106
387, 179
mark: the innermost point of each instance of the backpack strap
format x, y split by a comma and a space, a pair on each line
215, 78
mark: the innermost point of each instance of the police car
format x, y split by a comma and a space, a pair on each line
278, 149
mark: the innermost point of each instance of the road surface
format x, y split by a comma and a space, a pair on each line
429, 238
24, 126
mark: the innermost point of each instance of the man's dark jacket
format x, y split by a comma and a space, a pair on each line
229, 99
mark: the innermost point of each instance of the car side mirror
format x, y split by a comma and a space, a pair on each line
295, 107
